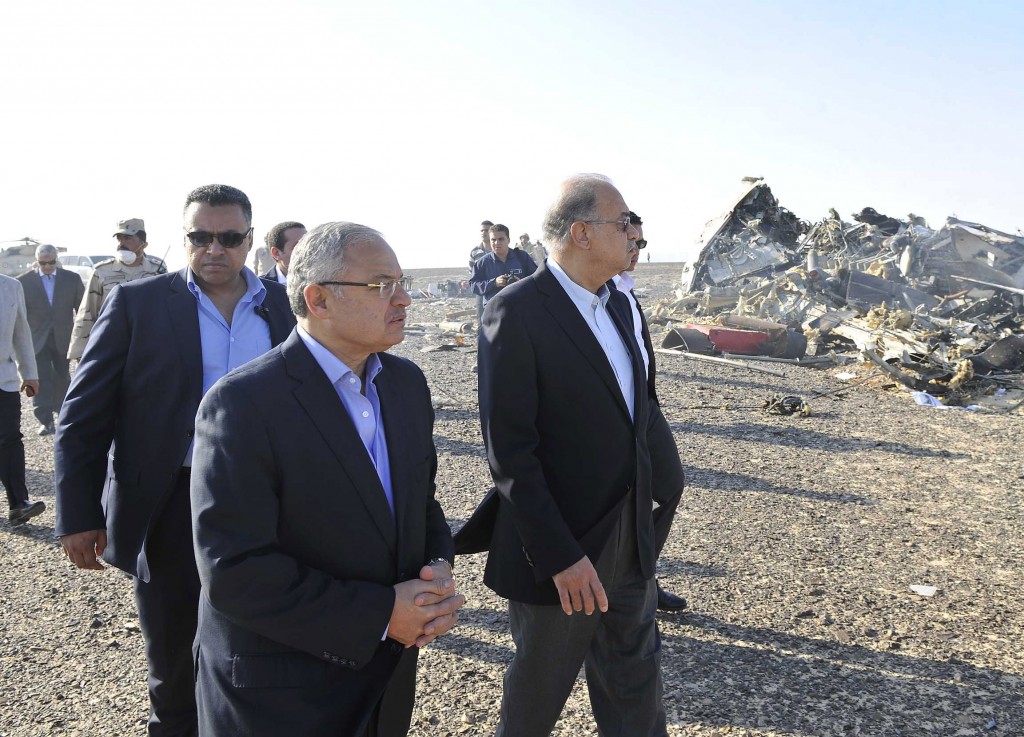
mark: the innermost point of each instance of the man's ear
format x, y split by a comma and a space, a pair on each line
275, 253
579, 236
316, 300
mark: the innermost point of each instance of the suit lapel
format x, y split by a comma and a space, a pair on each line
38, 296
563, 310
399, 446
622, 316
320, 401
183, 313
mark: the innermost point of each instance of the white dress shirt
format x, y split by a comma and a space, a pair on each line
594, 309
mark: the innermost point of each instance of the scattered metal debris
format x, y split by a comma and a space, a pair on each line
939, 310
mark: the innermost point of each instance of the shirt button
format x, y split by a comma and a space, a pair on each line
366, 414
351, 381
232, 340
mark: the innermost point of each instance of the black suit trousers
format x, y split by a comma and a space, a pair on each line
168, 612
54, 377
12, 450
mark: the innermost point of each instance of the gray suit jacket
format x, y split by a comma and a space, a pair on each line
57, 319
16, 352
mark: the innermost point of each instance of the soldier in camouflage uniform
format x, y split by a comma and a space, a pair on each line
131, 241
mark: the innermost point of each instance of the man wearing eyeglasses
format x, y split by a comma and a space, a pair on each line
501, 267
158, 346
281, 240
130, 262
565, 413
325, 564
667, 485
52, 296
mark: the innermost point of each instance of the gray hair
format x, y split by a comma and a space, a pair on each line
576, 201
46, 250
320, 256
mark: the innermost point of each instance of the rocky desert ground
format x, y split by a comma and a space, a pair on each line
797, 543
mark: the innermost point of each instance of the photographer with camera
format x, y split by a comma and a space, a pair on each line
501, 267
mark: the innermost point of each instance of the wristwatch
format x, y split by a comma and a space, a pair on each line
432, 561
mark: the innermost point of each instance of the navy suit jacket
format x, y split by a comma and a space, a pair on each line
135, 394
563, 450
58, 318
298, 549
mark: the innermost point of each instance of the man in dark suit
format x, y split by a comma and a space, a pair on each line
667, 485
52, 296
565, 412
160, 343
281, 240
315, 553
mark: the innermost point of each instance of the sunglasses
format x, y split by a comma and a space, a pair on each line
47, 263
641, 244
227, 239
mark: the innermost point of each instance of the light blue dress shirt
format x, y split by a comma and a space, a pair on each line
594, 309
362, 409
226, 347
48, 280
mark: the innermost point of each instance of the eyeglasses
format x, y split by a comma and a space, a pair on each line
48, 263
641, 244
387, 288
624, 222
227, 239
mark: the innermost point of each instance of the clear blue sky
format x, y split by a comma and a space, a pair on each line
421, 119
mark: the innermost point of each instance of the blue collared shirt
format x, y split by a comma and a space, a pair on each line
48, 280
594, 309
226, 347
362, 409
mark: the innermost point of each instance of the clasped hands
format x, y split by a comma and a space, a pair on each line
425, 607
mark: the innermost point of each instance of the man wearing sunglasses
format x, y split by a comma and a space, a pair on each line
51, 295
158, 346
565, 411
667, 482
131, 262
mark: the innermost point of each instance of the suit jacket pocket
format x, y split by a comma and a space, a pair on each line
278, 670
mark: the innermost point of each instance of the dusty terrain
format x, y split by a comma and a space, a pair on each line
796, 544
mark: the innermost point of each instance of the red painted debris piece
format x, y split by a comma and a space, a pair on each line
732, 340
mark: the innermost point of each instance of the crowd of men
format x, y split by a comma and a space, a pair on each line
275, 503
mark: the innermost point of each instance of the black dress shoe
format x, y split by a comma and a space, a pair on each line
46, 429
21, 514
669, 602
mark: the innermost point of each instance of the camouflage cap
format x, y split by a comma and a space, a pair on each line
131, 226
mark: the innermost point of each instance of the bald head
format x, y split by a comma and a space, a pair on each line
577, 200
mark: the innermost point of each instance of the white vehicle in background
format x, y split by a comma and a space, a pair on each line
81, 265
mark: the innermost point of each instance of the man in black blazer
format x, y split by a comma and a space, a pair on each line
52, 296
281, 240
159, 344
565, 411
316, 552
667, 486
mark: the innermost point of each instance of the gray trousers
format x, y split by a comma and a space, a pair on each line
620, 648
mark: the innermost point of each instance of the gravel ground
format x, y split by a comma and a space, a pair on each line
796, 544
